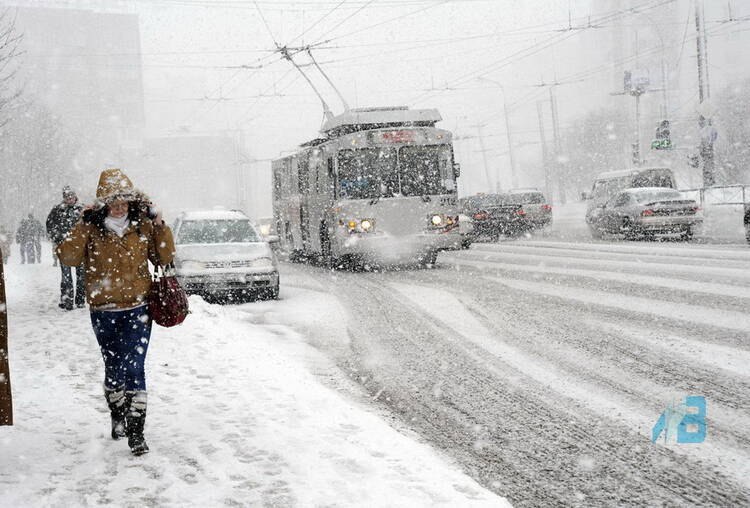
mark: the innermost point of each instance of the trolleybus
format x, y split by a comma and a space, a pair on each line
378, 188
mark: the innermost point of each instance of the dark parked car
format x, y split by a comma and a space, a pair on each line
493, 215
646, 212
747, 223
538, 212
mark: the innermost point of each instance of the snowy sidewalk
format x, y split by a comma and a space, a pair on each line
236, 418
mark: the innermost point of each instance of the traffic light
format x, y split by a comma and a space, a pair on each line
662, 139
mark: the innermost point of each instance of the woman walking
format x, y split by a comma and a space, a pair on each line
115, 240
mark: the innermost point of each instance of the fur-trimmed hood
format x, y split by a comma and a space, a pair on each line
115, 184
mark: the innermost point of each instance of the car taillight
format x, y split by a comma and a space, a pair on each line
547, 208
696, 209
647, 212
480, 216
521, 212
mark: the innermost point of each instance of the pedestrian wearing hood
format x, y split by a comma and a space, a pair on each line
6, 401
60, 221
115, 240
28, 237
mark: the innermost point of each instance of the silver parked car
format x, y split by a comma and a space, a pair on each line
645, 212
221, 256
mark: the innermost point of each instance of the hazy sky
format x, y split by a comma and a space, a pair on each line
414, 52
210, 66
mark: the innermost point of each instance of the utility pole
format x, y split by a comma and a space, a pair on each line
699, 44
545, 154
513, 173
556, 142
484, 157
707, 131
511, 155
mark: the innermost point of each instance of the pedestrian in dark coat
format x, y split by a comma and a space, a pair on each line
28, 237
6, 401
6, 239
115, 241
60, 222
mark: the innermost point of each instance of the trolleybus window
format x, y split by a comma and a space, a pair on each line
368, 173
361, 171
423, 169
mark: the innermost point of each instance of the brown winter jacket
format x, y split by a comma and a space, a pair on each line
117, 274
6, 401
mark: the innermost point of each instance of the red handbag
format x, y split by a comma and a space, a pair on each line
167, 301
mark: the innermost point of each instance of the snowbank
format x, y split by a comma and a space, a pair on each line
236, 417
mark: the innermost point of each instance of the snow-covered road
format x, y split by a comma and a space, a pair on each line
542, 365
242, 412
538, 367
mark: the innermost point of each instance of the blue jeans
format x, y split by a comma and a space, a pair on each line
123, 338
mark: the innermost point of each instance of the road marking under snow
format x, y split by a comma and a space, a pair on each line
679, 311
546, 259
643, 280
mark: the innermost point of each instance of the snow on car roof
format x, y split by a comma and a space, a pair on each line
624, 172
638, 190
523, 191
214, 215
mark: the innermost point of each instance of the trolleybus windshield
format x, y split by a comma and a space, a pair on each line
418, 170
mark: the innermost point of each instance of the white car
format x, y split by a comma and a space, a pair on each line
221, 255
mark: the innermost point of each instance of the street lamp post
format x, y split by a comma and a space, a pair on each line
511, 155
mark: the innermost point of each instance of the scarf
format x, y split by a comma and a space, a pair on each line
117, 226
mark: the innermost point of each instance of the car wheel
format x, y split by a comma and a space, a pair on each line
272, 293
325, 246
428, 259
687, 235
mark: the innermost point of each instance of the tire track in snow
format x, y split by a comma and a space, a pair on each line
407, 358
582, 375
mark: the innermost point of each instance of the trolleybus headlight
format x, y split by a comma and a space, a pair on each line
352, 224
436, 220
366, 225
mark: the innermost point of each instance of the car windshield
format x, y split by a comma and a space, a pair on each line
526, 198
217, 231
367, 173
656, 195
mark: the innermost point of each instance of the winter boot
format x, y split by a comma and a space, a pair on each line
117, 408
136, 419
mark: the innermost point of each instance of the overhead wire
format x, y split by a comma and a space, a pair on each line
537, 47
318, 21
